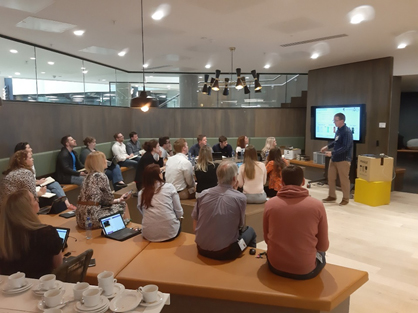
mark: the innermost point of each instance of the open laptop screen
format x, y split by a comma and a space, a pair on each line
63, 233
112, 223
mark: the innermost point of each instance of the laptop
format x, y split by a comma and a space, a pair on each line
63, 233
114, 227
217, 156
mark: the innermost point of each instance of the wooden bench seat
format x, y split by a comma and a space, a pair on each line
199, 284
69, 187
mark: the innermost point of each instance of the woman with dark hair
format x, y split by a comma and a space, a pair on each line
205, 170
274, 167
159, 204
152, 155
242, 142
252, 176
53, 187
19, 175
112, 171
27, 245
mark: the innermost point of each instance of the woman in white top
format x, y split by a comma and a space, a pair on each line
270, 144
252, 176
159, 204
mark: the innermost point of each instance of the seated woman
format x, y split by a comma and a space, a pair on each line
274, 167
112, 170
159, 204
252, 176
96, 199
205, 170
152, 155
27, 245
242, 142
270, 144
19, 175
53, 187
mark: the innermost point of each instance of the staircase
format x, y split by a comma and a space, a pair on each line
297, 102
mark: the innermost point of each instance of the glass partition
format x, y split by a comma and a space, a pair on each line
29, 73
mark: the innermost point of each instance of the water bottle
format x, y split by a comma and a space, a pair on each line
88, 228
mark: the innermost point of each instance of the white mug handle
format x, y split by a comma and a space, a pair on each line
101, 290
115, 280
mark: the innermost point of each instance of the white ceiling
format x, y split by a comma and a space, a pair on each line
199, 32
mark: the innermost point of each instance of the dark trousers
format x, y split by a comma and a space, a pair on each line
233, 251
315, 272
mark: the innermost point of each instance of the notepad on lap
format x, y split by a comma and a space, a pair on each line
47, 181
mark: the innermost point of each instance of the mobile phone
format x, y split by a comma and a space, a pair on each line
92, 262
68, 214
129, 193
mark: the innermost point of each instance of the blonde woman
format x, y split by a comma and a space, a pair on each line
270, 144
96, 199
19, 175
26, 245
252, 176
205, 170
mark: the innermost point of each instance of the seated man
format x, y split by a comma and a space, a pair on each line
133, 146
165, 147
120, 154
295, 229
68, 164
201, 141
223, 147
179, 171
218, 217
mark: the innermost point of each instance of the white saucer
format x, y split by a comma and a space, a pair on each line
40, 292
157, 302
43, 307
24, 288
117, 289
103, 302
126, 301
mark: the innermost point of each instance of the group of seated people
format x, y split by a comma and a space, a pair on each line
295, 225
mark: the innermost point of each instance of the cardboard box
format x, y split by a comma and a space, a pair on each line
375, 168
291, 154
319, 158
372, 193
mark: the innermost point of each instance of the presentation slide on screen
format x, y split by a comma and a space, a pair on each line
325, 127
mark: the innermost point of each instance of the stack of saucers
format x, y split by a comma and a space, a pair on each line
99, 308
39, 291
7, 290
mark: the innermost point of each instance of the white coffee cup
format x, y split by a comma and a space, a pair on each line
53, 297
107, 282
47, 282
91, 296
150, 293
17, 280
78, 290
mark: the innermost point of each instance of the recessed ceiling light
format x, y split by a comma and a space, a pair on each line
158, 15
42, 72
79, 32
357, 19
145, 66
402, 46
85, 71
33, 58
207, 65
314, 55
267, 66
17, 73
162, 10
361, 13
122, 53
51, 63
13, 51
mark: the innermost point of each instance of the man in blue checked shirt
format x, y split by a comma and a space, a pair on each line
340, 160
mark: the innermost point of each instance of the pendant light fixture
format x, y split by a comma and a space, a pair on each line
257, 85
226, 90
143, 101
215, 85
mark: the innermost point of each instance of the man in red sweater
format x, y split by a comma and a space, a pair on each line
295, 229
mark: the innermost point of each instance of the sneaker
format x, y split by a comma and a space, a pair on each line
329, 200
343, 202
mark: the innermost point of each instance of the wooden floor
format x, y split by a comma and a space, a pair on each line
380, 240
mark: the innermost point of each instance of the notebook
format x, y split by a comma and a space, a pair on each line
63, 233
114, 227
216, 156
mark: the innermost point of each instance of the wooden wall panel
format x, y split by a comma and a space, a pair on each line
368, 82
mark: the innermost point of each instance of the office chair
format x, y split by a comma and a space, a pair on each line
74, 270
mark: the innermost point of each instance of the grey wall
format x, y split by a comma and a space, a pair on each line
409, 116
370, 82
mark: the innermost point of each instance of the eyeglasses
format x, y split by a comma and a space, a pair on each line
336, 120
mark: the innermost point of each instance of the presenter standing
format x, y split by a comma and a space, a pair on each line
340, 160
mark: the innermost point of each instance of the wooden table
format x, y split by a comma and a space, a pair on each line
199, 284
110, 255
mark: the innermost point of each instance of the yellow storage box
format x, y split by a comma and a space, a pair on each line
372, 193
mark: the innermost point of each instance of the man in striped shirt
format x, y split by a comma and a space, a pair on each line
340, 160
